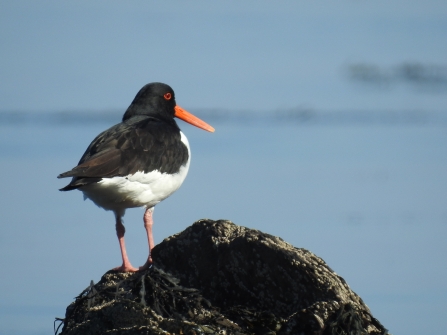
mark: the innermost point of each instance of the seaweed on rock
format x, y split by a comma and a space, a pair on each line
219, 278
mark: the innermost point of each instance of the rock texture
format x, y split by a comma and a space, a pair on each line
219, 278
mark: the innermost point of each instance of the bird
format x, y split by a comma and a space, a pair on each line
137, 162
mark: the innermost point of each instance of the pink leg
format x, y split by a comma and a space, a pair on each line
148, 223
120, 230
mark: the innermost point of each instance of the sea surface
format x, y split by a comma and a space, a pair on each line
368, 194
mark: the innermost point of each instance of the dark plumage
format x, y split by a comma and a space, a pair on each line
123, 149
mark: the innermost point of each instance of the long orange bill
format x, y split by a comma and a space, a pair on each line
194, 120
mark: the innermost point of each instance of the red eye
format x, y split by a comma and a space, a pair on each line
167, 96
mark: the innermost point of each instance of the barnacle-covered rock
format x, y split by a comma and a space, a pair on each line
219, 278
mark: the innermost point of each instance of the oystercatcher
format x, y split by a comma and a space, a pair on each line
138, 162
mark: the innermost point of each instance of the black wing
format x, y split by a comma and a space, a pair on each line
139, 144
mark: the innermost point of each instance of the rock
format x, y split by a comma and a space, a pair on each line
219, 278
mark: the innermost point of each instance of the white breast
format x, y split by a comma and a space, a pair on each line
139, 189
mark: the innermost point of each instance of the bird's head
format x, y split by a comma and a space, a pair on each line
158, 100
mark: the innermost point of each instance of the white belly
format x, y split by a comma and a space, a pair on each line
139, 189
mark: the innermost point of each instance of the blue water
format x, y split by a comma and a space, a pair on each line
370, 199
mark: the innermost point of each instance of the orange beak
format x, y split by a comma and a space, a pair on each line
191, 119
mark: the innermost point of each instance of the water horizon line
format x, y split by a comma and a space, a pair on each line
289, 116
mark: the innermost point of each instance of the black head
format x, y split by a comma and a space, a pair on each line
154, 99
158, 100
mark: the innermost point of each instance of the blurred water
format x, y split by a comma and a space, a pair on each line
369, 198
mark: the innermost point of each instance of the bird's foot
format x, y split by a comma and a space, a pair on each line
125, 268
147, 265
